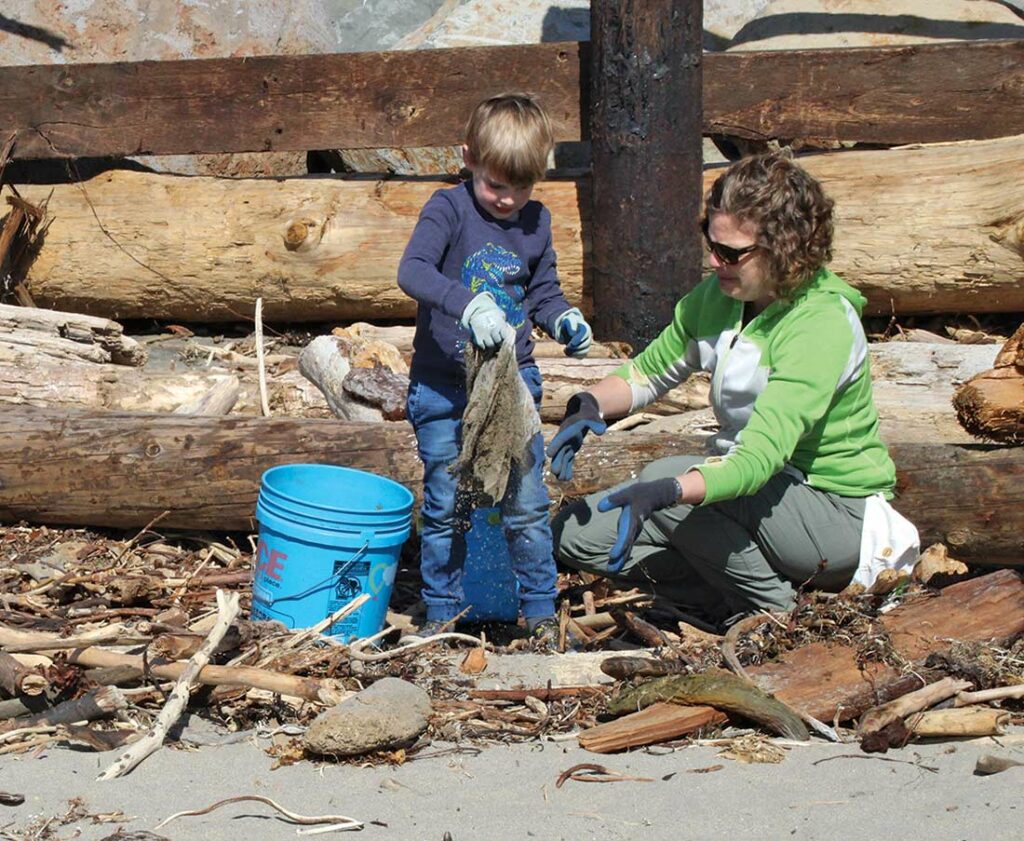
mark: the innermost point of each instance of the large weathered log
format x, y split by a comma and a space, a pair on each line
112, 467
401, 336
991, 405
913, 386
906, 94
232, 246
315, 249
29, 378
96, 468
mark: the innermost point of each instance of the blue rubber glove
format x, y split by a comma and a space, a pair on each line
485, 321
582, 415
572, 330
638, 502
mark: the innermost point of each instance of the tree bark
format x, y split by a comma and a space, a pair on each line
109, 469
961, 251
645, 137
650, 726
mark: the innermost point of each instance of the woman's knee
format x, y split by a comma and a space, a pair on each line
662, 468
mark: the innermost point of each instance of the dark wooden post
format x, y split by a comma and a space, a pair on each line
645, 132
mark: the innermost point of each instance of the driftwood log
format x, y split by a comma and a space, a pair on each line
18, 679
30, 378
34, 379
401, 335
112, 469
914, 384
320, 249
66, 335
991, 405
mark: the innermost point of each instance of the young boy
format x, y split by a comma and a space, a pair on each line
479, 259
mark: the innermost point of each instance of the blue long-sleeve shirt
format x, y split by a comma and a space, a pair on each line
457, 251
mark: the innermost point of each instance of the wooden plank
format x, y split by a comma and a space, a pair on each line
657, 723
276, 103
920, 93
645, 130
907, 94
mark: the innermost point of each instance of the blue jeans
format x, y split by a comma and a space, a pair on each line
435, 411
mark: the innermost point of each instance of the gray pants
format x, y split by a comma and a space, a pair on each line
750, 553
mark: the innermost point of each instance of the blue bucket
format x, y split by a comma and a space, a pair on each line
328, 534
489, 586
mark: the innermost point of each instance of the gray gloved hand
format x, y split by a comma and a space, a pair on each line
572, 330
485, 321
637, 501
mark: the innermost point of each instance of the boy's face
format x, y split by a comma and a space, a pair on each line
493, 192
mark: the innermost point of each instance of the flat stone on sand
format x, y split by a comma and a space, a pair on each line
389, 714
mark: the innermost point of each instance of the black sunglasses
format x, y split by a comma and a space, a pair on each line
728, 255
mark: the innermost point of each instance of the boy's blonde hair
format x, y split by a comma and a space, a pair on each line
510, 136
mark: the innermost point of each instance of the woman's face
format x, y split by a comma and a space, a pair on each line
745, 277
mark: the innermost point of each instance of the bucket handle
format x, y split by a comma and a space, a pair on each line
336, 574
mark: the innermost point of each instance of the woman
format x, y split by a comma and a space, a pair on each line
795, 489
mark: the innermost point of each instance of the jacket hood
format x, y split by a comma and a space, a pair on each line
825, 280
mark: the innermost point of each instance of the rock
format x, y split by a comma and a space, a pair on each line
390, 714
827, 24
937, 569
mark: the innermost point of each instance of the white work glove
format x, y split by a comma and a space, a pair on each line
485, 321
572, 330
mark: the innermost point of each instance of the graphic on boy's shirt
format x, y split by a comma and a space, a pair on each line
486, 271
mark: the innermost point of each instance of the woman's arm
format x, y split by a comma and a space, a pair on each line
614, 397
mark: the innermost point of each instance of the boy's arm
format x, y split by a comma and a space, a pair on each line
545, 300
419, 274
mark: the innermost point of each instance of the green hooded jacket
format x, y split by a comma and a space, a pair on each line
791, 389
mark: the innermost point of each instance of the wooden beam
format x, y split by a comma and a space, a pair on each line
276, 103
907, 94
918, 93
645, 138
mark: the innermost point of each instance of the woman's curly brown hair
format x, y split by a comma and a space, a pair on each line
789, 208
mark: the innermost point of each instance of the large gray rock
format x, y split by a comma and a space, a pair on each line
388, 715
